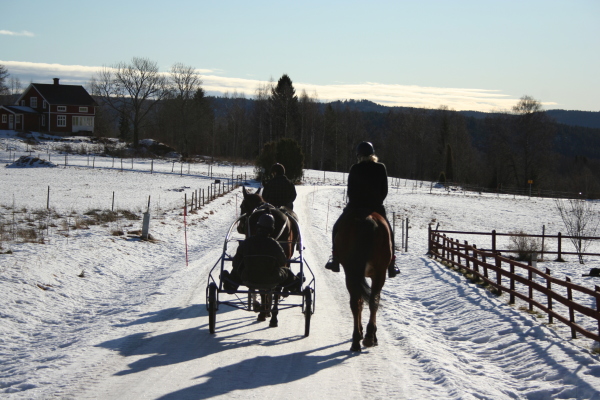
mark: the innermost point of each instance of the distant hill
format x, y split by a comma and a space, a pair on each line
587, 119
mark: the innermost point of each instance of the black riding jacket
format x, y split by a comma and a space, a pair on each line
367, 185
280, 191
260, 245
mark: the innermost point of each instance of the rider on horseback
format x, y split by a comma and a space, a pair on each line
367, 189
260, 261
280, 191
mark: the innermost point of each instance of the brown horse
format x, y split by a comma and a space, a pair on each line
286, 228
363, 246
286, 232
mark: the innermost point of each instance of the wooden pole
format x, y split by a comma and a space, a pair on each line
571, 311
549, 287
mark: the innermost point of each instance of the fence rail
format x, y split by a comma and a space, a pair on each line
560, 299
544, 249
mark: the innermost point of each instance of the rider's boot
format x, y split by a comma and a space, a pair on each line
228, 285
392, 269
333, 264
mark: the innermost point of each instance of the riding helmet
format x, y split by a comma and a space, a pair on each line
365, 149
278, 169
266, 221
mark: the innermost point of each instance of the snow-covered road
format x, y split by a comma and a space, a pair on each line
89, 315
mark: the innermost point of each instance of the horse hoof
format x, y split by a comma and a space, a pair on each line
261, 317
355, 347
273, 324
369, 342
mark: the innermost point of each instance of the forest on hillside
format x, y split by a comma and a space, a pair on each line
521, 148
524, 147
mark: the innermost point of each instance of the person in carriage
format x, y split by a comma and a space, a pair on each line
367, 189
260, 262
279, 191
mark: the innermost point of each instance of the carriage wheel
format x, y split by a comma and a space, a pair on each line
307, 310
212, 307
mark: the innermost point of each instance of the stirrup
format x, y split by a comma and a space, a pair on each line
393, 271
333, 264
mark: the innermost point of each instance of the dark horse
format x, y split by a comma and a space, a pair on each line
286, 232
364, 248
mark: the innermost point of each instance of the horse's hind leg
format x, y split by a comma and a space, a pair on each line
356, 305
371, 336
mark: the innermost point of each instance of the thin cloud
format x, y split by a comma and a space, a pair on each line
385, 94
11, 33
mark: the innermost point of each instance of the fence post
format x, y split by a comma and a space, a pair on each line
494, 241
597, 289
498, 273
485, 270
393, 226
571, 311
429, 244
530, 278
543, 239
406, 238
559, 247
549, 287
444, 246
467, 262
512, 284
475, 259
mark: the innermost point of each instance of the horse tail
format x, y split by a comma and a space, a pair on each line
362, 253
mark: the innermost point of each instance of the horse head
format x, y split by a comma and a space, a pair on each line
250, 202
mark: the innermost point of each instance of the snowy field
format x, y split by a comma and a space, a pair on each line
91, 315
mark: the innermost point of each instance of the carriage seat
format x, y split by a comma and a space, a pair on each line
262, 272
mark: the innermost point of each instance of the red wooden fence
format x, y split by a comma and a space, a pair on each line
560, 299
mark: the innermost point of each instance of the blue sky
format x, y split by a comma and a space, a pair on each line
478, 55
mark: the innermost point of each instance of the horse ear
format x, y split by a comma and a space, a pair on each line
258, 191
244, 191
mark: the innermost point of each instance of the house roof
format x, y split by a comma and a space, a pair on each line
20, 109
64, 94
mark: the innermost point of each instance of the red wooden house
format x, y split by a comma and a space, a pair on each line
53, 108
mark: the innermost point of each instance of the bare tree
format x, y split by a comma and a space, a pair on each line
15, 86
184, 83
532, 137
581, 221
3, 79
132, 89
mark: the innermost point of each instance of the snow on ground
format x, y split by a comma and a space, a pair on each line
90, 315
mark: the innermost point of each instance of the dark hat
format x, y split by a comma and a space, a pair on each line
278, 169
365, 149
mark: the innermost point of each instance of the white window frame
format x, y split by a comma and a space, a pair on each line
83, 109
45, 104
62, 118
4, 119
33, 102
61, 108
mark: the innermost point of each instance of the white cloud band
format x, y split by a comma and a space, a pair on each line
385, 94
11, 33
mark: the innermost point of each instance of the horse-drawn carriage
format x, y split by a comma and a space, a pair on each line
266, 300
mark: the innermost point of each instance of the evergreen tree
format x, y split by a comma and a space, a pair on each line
284, 106
285, 151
